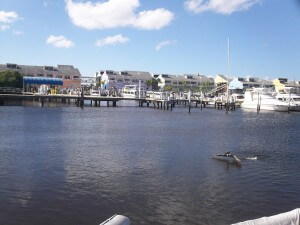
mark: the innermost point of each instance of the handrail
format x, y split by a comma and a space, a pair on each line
11, 90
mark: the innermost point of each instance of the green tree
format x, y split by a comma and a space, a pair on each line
168, 88
11, 79
153, 83
205, 87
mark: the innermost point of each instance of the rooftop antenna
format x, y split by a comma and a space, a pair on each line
228, 71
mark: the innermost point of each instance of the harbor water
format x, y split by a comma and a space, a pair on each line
73, 166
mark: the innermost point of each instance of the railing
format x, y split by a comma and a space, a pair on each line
217, 89
11, 90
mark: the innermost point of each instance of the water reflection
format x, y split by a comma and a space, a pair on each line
80, 166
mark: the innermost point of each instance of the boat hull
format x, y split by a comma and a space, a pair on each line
279, 108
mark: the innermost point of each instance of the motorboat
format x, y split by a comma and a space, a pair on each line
288, 218
263, 99
292, 99
132, 91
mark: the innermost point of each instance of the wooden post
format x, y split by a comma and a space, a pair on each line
107, 103
114, 103
42, 100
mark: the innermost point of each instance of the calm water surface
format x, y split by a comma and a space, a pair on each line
72, 166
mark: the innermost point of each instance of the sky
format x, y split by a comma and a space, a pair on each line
159, 36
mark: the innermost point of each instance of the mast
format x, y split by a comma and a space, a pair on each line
228, 71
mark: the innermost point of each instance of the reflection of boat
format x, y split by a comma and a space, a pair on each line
288, 218
262, 99
227, 157
116, 220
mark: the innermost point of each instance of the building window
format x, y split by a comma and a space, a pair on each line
67, 77
179, 82
111, 78
59, 76
174, 82
193, 82
120, 80
40, 75
168, 82
127, 80
49, 75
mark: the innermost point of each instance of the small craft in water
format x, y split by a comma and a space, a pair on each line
228, 157
288, 218
116, 220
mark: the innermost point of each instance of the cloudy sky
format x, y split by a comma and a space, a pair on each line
159, 36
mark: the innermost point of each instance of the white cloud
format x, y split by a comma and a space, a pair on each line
164, 43
4, 27
112, 40
59, 42
116, 13
219, 6
18, 32
8, 17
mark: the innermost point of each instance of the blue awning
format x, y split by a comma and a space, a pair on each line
43, 80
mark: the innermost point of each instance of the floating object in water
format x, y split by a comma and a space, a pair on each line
116, 220
228, 157
288, 218
252, 158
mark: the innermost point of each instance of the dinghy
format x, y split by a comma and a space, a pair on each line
116, 220
288, 218
227, 157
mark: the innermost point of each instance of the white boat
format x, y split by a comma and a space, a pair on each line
288, 218
116, 220
132, 91
263, 99
292, 99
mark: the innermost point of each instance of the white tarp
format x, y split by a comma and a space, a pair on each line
288, 218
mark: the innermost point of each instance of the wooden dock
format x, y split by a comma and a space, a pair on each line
112, 101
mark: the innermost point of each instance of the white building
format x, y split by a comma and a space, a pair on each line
116, 80
184, 82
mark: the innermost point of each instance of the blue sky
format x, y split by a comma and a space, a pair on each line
159, 36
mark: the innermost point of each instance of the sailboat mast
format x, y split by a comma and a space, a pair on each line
228, 69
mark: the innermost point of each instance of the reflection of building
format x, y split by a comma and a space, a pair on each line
250, 82
70, 75
184, 82
113, 80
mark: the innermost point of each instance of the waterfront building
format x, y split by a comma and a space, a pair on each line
116, 80
70, 75
249, 82
281, 84
184, 82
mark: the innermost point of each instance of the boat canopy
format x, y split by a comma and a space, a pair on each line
288, 218
42, 80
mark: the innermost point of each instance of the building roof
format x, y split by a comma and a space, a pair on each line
41, 70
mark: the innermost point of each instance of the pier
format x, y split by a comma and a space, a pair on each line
80, 101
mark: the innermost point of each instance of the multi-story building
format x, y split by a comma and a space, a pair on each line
116, 80
184, 82
249, 82
70, 75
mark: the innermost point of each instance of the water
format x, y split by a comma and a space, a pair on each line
66, 165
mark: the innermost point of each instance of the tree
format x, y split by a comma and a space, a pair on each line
11, 79
168, 88
153, 83
205, 87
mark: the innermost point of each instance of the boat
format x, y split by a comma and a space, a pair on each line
263, 99
116, 220
288, 218
132, 91
292, 99
227, 157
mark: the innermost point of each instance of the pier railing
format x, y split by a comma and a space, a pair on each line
11, 90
